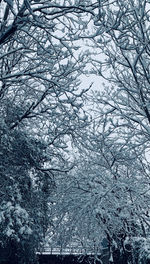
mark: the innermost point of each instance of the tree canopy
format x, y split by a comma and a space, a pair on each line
74, 163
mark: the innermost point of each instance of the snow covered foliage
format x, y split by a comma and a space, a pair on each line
143, 245
40, 109
125, 102
14, 220
107, 194
20, 200
140, 247
122, 116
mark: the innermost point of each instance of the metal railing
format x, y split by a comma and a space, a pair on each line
68, 251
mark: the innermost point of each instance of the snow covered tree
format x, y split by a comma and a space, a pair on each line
40, 112
105, 196
109, 189
19, 229
125, 65
122, 114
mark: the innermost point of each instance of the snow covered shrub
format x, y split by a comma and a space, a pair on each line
14, 221
142, 249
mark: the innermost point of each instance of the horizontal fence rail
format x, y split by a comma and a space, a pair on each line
70, 251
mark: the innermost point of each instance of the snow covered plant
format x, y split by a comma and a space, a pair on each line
41, 109
109, 187
140, 246
14, 221
121, 118
42, 117
144, 252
